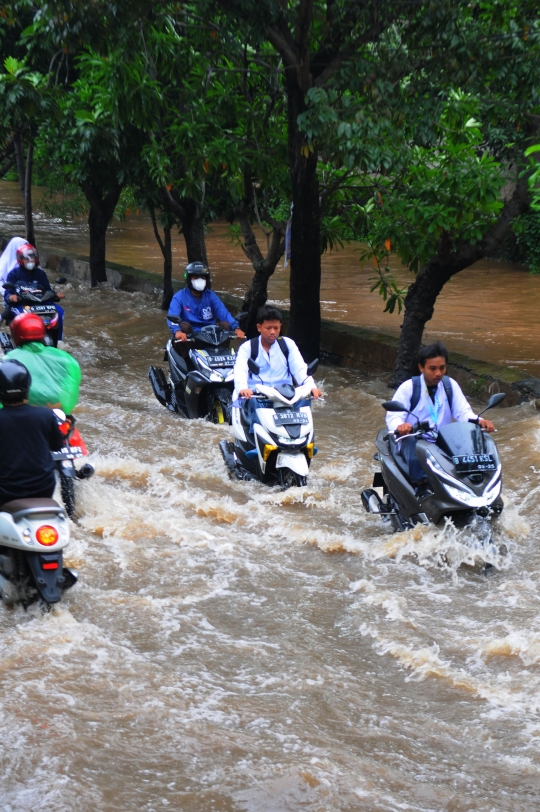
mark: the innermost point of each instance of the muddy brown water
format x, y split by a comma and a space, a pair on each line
234, 647
489, 311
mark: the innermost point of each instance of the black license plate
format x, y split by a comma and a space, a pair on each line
475, 462
290, 419
221, 360
43, 310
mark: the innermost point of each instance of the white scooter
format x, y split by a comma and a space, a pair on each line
33, 533
280, 445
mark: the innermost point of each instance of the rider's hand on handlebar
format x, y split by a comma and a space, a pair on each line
487, 425
404, 428
316, 392
246, 393
13, 297
180, 336
61, 295
239, 333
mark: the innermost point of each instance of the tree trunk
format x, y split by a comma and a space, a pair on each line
193, 230
18, 144
25, 182
305, 279
28, 214
166, 249
431, 278
102, 208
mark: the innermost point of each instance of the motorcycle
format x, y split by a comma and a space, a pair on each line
42, 304
463, 472
279, 446
34, 533
74, 449
201, 384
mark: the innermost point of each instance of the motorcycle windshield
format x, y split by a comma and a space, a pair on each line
459, 439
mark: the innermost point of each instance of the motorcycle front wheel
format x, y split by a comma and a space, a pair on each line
290, 479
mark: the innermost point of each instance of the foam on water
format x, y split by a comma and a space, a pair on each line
232, 646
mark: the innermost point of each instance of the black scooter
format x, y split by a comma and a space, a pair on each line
463, 472
200, 381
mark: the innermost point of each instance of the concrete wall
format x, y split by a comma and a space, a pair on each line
341, 344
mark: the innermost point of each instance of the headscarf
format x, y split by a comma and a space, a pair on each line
8, 260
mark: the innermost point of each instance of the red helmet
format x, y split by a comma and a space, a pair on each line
27, 327
27, 253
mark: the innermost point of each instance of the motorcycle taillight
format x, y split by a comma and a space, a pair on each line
47, 535
65, 427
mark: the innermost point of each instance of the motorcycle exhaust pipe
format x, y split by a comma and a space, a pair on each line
371, 501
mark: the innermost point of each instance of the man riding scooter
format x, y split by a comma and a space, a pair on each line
434, 398
278, 358
197, 305
27, 278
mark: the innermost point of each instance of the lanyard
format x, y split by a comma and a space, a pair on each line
434, 407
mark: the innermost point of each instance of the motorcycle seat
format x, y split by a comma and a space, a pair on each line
17, 505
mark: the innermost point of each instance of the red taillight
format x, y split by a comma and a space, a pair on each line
49, 565
65, 427
47, 535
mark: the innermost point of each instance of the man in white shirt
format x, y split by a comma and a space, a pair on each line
278, 358
432, 397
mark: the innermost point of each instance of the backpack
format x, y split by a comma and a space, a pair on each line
417, 389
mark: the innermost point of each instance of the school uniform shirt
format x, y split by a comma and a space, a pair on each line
273, 367
437, 413
208, 309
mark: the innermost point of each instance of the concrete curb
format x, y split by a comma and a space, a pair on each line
341, 344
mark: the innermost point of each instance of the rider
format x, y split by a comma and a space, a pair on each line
28, 277
196, 305
278, 358
56, 375
28, 434
435, 398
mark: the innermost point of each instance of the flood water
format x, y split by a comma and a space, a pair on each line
234, 647
489, 311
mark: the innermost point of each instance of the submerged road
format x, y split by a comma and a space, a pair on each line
233, 647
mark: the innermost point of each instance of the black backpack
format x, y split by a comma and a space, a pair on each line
417, 389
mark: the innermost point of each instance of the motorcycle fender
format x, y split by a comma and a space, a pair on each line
194, 379
296, 462
67, 467
48, 582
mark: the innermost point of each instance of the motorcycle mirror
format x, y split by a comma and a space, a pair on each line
173, 319
394, 406
9, 286
253, 366
313, 366
61, 280
494, 401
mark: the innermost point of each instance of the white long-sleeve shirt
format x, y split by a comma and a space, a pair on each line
273, 367
425, 408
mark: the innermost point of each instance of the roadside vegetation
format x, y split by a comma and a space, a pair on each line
306, 124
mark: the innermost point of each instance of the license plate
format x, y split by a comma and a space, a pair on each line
43, 309
291, 419
221, 360
475, 462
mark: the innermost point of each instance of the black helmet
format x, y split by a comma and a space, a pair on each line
15, 382
196, 268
